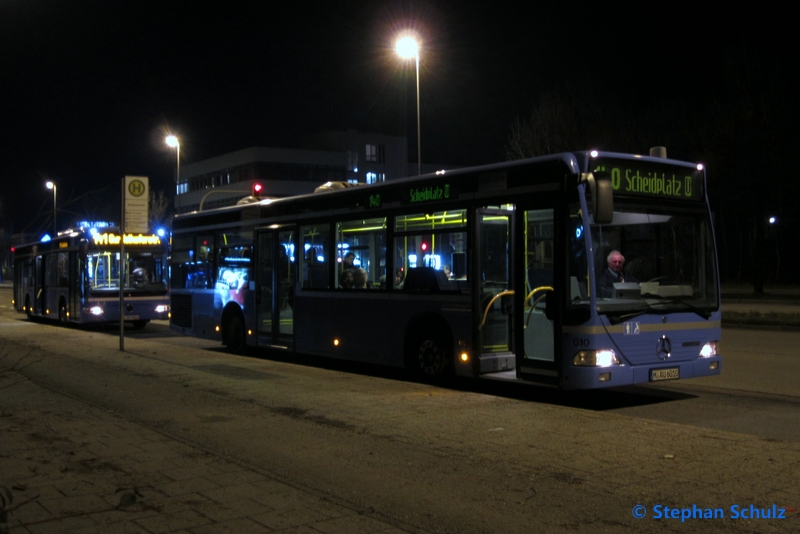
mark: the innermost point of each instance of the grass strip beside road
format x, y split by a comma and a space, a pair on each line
756, 319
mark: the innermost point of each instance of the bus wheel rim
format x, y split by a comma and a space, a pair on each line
430, 357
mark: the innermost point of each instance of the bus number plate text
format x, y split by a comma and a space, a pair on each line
665, 374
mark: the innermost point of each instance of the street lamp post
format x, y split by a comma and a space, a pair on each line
52, 185
407, 48
174, 143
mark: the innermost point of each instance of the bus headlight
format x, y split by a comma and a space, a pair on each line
161, 308
96, 310
709, 350
596, 358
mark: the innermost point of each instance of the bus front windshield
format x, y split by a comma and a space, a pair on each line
656, 258
145, 272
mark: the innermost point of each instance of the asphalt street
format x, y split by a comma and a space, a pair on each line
174, 435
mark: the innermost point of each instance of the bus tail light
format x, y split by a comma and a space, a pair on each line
596, 358
709, 350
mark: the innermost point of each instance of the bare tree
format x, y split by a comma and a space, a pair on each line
159, 209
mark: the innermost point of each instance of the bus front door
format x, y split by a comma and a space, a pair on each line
275, 288
535, 283
494, 291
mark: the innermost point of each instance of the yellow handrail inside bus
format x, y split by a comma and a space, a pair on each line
530, 310
488, 306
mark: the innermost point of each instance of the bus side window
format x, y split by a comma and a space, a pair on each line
315, 262
182, 261
361, 244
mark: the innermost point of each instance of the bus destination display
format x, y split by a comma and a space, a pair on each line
663, 181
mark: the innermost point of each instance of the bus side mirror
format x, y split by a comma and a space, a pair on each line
602, 196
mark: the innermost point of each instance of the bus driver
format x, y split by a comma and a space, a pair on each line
615, 273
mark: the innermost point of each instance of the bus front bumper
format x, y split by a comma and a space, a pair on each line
576, 377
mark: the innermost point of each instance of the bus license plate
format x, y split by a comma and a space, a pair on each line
665, 374
130, 317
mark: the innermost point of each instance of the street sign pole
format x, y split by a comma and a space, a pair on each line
122, 270
134, 218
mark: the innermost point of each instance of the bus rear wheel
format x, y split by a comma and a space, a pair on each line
234, 338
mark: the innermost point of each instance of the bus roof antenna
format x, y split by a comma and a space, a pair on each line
658, 152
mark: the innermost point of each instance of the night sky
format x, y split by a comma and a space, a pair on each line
90, 88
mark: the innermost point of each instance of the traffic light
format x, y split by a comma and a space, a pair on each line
257, 190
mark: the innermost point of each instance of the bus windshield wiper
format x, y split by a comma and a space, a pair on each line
616, 319
705, 314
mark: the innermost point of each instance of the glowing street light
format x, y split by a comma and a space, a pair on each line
52, 185
407, 48
173, 142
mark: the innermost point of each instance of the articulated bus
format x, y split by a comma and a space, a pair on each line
491, 272
75, 277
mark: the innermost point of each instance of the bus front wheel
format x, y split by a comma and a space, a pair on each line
234, 338
430, 355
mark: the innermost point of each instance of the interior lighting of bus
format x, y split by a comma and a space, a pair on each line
362, 229
429, 220
432, 260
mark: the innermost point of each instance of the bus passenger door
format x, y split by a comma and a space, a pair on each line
274, 288
493, 293
75, 285
265, 273
535, 263
38, 288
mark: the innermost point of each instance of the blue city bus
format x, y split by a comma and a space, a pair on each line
75, 277
493, 272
